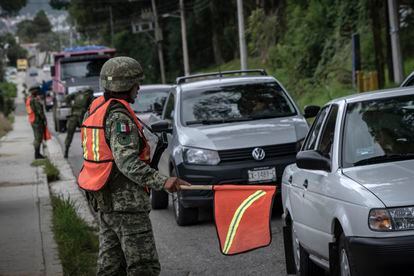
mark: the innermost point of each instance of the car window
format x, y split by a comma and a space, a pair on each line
240, 102
150, 100
385, 131
169, 107
410, 82
312, 137
327, 136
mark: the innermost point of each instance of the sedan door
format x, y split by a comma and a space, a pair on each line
316, 206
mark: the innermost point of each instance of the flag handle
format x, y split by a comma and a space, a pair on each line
197, 187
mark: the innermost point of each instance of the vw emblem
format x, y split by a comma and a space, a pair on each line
258, 154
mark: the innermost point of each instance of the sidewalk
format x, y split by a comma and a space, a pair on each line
27, 246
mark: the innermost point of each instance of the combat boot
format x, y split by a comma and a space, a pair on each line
37, 154
66, 153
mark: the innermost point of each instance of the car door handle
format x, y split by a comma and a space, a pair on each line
305, 183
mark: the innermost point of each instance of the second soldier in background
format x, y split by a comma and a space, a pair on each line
79, 102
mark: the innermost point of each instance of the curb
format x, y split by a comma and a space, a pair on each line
51, 260
67, 187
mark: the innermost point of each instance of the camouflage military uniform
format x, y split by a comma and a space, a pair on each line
79, 102
40, 121
126, 241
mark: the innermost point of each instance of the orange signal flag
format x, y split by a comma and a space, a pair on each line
46, 134
242, 216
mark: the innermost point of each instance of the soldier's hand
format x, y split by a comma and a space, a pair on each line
174, 184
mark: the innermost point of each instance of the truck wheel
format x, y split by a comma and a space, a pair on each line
62, 125
159, 200
183, 216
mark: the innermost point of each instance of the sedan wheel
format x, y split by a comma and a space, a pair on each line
296, 249
344, 262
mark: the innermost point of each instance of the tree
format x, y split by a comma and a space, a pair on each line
11, 7
42, 23
59, 4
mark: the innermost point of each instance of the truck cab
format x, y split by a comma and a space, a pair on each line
74, 69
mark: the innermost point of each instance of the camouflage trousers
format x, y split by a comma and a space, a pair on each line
71, 125
38, 131
126, 245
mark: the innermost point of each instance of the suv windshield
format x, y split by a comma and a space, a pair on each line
379, 131
82, 69
150, 100
235, 103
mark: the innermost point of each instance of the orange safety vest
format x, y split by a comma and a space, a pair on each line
29, 110
97, 154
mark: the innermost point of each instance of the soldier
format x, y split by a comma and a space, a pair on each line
37, 118
116, 174
79, 103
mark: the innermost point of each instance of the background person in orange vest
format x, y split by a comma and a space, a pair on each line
116, 173
37, 118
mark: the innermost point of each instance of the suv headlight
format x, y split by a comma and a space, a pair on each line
392, 219
200, 156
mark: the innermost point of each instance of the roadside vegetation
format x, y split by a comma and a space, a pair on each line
77, 242
8, 92
49, 168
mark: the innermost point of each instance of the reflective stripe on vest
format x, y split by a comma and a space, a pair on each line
30, 113
97, 154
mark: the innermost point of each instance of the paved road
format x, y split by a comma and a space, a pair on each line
194, 250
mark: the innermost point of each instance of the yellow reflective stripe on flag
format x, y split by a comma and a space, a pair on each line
231, 233
85, 148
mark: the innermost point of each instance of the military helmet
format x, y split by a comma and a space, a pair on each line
120, 74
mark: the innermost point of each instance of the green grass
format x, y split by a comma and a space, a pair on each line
50, 170
77, 242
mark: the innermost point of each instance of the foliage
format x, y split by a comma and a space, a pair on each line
5, 125
12, 7
59, 4
14, 50
28, 30
77, 242
52, 173
8, 92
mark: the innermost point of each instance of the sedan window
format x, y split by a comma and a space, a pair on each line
312, 137
327, 136
379, 131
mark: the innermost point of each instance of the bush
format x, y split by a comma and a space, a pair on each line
5, 125
8, 91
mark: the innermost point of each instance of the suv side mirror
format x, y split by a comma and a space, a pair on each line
161, 126
312, 160
311, 111
52, 71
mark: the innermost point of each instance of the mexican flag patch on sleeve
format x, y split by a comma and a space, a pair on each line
123, 127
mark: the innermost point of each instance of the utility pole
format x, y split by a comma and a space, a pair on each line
111, 25
158, 40
184, 39
242, 40
395, 41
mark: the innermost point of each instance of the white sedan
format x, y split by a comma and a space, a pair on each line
349, 199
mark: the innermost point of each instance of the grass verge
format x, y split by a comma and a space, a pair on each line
50, 170
5, 125
77, 242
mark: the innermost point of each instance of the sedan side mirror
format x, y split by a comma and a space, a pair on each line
161, 126
311, 111
313, 160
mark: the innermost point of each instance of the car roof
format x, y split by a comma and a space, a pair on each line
379, 94
214, 82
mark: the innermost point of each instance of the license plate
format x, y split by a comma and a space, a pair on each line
262, 175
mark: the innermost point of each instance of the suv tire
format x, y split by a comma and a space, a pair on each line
183, 216
159, 200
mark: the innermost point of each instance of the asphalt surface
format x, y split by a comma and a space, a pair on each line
194, 250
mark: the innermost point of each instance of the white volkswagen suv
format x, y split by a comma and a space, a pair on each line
349, 199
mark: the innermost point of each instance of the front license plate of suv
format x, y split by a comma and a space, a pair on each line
262, 174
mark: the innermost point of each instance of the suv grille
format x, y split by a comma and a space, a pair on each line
246, 153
